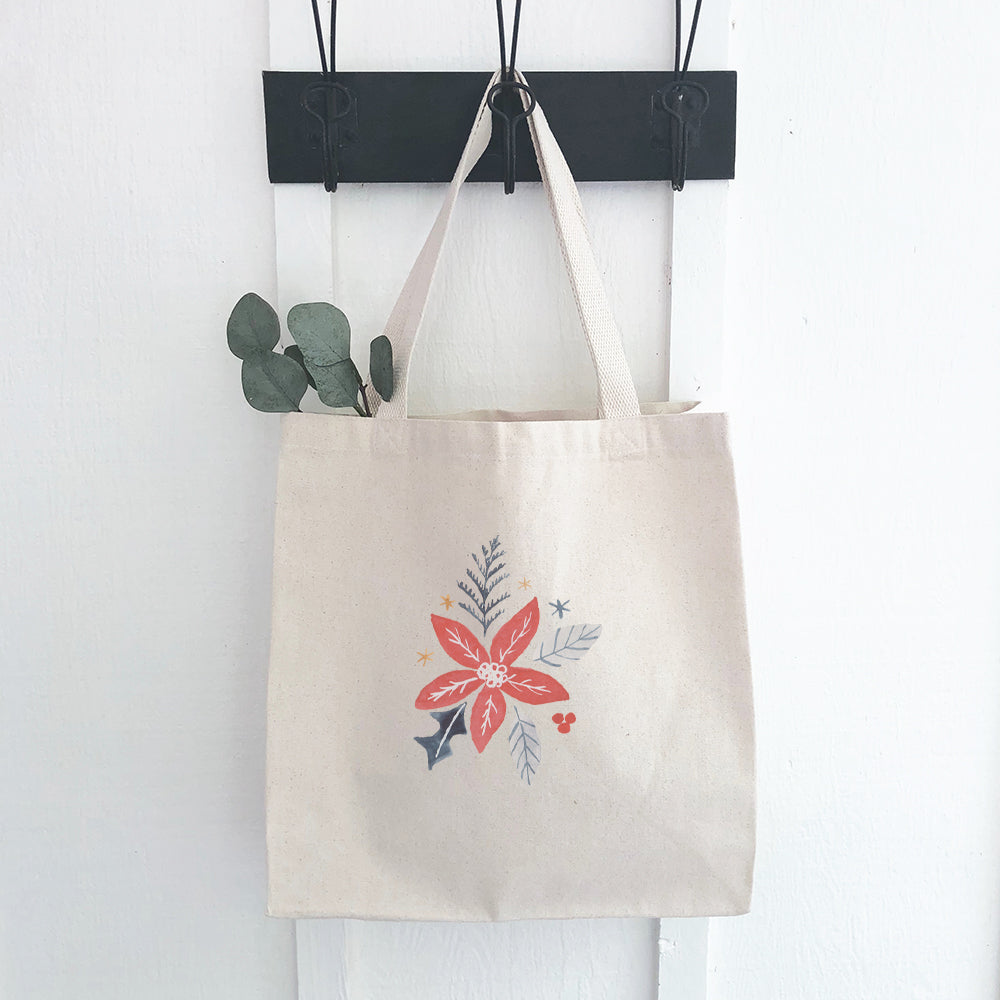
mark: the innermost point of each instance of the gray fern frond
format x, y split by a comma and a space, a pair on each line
494, 569
493, 615
495, 602
465, 607
480, 584
486, 577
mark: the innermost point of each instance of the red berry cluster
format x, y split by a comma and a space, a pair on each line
564, 721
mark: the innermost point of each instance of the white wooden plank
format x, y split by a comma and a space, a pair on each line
696, 296
697, 291
550, 960
698, 252
322, 959
697, 277
302, 236
683, 959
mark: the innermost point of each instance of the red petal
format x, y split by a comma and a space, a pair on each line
534, 687
448, 688
487, 716
514, 638
459, 643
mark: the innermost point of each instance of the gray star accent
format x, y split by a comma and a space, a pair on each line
561, 607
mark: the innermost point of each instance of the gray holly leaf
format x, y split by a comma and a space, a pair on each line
380, 367
253, 327
450, 723
324, 335
294, 352
273, 383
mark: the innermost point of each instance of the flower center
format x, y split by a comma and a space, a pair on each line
493, 673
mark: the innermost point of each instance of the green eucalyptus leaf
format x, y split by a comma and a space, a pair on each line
336, 385
273, 383
324, 335
381, 367
322, 331
294, 352
253, 327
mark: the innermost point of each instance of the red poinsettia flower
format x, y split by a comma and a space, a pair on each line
491, 672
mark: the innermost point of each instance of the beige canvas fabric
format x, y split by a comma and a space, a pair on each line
509, 673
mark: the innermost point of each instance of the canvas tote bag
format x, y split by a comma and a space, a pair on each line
512, 681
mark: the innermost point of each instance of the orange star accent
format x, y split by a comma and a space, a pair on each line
447, 602
525, 583
424, 657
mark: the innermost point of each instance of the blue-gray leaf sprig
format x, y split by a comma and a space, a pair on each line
567, 645
525, 747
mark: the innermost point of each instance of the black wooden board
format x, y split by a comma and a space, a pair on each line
411, 127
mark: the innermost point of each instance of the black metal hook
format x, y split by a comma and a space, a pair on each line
505, 100
511, 114
321, 99
685, 102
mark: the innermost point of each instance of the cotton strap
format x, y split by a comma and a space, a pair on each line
615, 388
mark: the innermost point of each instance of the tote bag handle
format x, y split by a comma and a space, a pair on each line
616, 395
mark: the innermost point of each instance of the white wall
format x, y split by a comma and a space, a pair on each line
135, 505
863, 362
135, 492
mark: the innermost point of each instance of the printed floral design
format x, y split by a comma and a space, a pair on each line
506, 671
492, 674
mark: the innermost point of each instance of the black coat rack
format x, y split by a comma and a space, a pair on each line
411, 127
333, 127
